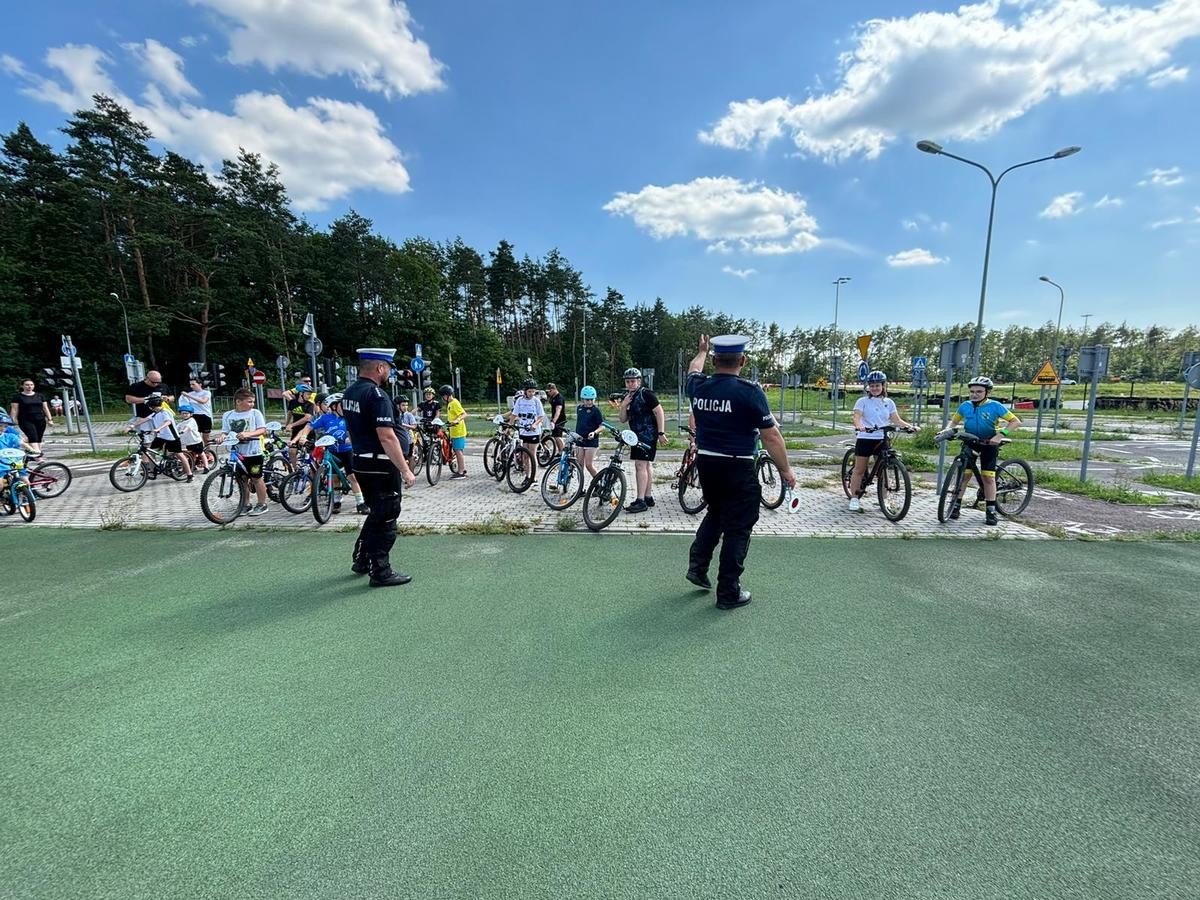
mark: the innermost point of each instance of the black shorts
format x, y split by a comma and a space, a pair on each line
559, 431
345, 459
867, 446
203, 422
296, 429
157, 442
175, 446
195, 448
531, 439
989, 455
253, 466
637, 453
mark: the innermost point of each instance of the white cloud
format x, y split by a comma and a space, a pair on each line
1010, 315
739, 273
370, 40
192, 40
1063, 205
164, 67
1162, 178
910, 225
964, 74
725, 212
1169, 75
1108, 201
325, 149
1177, 220
918, 256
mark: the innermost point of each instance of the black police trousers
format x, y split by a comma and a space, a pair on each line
381, 492
731, 489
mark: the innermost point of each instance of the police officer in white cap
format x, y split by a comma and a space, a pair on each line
728, 410
379, 465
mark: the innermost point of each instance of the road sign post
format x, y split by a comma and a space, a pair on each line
836, 380
1192, 379
955, 354
69, 351
1064, 353
1093, 363
1189, 360
1045, 376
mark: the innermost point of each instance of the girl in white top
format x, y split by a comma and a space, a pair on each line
527, 409
871, 412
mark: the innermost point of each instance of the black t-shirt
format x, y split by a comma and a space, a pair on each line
143, 390
728, 411
641, 415
429, 410
299, 410
29, 406
365, 407
558, 409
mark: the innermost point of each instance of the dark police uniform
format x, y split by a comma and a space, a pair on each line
366, 408
728, 411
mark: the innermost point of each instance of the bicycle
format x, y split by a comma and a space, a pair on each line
547, 447
277, 460
129, 473
492, 447
225, 494
771, 486
49, 479
687, 478
562, 481
438, 451
328, 467
605, 496
1014, 478
513, 460
16, 495
893, 486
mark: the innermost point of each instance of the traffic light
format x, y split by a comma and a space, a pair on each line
405, 379
59, 378
330, 371
216, 377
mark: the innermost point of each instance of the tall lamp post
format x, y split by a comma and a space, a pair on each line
1053, 353
834, 358
936, 150
128, 346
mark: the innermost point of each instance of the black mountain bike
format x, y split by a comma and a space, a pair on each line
1014, 478
687, 478
606, 494
892, 484
131, 472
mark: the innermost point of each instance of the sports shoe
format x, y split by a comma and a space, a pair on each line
989, 518
188, 480
257, 510
637, 506
337, 507
855, 505
649, 501
955, 510
459, 475
362, 509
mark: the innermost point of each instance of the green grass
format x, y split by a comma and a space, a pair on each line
1097, 490
99, 454
1172, 481
484, 732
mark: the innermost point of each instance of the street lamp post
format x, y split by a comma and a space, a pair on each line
1053, 353
936, 150
128, 346
835, 359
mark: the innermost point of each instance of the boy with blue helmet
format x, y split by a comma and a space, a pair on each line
588, 419
10, 439
333, 424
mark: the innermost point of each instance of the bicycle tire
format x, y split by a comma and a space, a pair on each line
500, 464
221, 489
950, 486
322, 496
547, 449
25, 502
848, 470
416, 459
691, 494
7, 505
607, 494
296, 492
122, 476
433, 463
771, 486
173, 468
490, 449
50, 479
519, 476
275, 471
570, 488
1014, 487
894, 485
451, 458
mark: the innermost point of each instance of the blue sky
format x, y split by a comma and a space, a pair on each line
736, 158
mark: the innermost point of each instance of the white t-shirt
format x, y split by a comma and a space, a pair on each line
250, 420
166, 422
528, 411
876, 412
189, 432
201, 401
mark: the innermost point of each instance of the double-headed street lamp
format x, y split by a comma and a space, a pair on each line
834, 357
936, 150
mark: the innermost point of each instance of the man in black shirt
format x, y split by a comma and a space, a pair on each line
137, 393
379, 465
558, 413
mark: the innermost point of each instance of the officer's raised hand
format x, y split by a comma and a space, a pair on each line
703, 348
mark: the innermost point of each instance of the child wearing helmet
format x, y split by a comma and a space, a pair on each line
429, 408
10, 439
300, 413
456, 418
332, 423
588, 419
527, 409
189, 435
870, 413
161, 423
990, 421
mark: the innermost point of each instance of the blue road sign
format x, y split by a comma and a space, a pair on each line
128, 359
920, 363
863, 370
418, 355
417, 364
68, 349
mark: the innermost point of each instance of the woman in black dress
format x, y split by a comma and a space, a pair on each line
28, 408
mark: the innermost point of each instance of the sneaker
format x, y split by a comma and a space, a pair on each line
257, 510
459, 475
990, 518
362, 509
955, 509
637, 506
188, 480
855, 505
649, 501
337, 507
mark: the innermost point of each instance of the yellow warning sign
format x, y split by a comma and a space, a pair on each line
864, 342
499, 377
822, 382
1046, 375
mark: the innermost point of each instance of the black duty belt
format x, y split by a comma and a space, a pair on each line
724, 455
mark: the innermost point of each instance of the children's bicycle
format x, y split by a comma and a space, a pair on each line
225, 494
438, 451
129, 473
49, 479
16, 494
771, 486
892, 483
687, 478
605, 496
1014, 478
562, 480
332, 481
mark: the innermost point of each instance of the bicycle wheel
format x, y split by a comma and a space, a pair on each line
223, 496
604, 498
1014, 487
7, 506
451, 459
566, 476
128, 473
208, 459
950, 485
322, 495
848, 470
894, 488
24, 501
500, 464
173, 468
433, 462
691, 495
490, 449
546, 450
49, 479
416, 458
771, 485
520, 470
296, 492
275, 470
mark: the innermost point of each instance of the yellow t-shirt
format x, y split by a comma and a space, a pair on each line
454, 409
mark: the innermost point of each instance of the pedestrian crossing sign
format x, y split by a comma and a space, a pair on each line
822, 382
1046, 375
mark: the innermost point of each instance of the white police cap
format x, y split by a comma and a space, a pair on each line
729, 343
387, 354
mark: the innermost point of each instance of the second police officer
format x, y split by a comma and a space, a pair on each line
729, 410
379, 465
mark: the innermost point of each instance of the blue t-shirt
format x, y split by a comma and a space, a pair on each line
588, 420
334, 426
10, 439
728, 411
982, 420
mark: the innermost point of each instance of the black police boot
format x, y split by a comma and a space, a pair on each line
361, 564
743, 598
699, 579
383, 575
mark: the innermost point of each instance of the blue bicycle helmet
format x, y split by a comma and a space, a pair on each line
588, 393
6, 419
877, 377
303, 389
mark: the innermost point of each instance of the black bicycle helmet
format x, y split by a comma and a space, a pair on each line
446, 391
529, 385
632, 372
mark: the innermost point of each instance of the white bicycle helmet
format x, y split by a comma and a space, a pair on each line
333, 398
981, 381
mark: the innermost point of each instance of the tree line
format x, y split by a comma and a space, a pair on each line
218, 268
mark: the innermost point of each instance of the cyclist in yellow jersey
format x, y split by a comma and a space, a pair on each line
991, 421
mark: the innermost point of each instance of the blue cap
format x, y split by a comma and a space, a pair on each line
387, 354
303, 389
729, 343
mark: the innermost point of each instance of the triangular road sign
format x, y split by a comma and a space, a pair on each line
1046, 375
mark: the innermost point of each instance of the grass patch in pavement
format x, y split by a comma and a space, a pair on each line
1097, 490
1172, 481
105, 455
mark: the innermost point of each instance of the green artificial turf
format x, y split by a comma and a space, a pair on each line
234, 715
